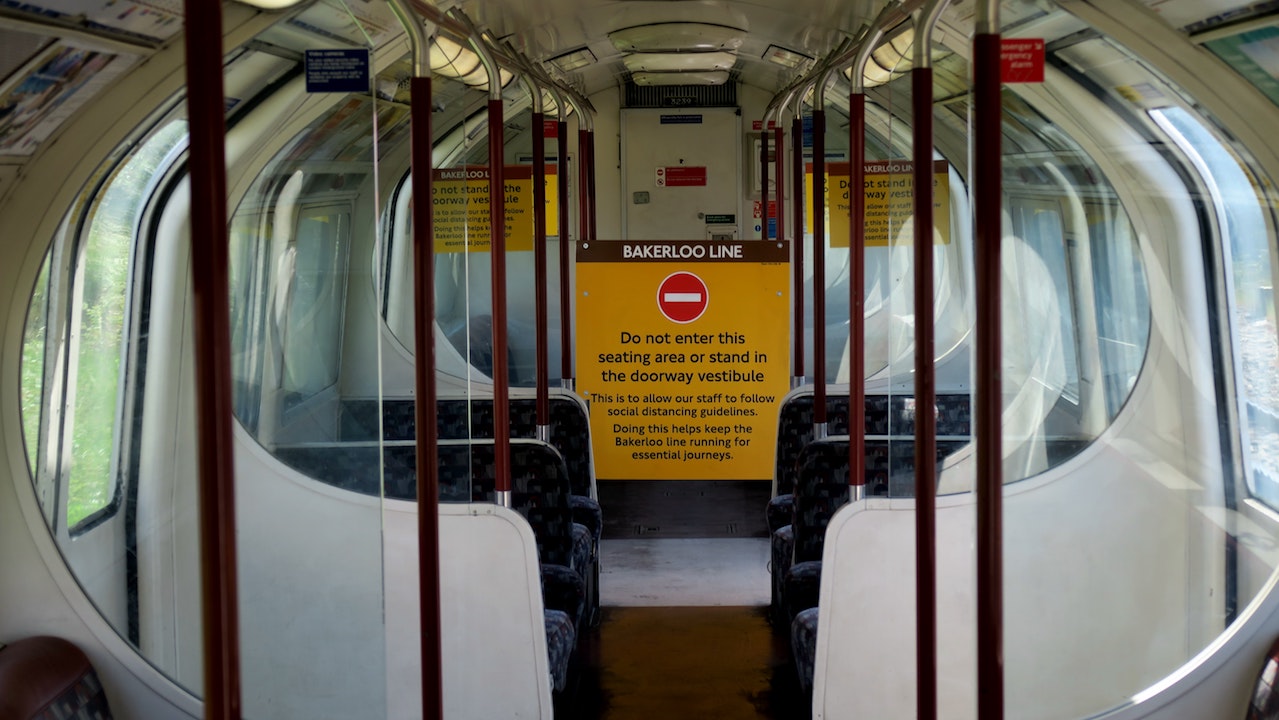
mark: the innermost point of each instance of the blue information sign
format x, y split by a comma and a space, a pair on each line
345, 70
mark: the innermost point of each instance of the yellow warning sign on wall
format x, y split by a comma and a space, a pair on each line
461, 200
890, 202
684, 355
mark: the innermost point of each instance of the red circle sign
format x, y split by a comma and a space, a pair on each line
682, 297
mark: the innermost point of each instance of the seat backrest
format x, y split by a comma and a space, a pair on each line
570, 429
539, 488
43, 678
353, 466
886, 415
821, 488
795, 431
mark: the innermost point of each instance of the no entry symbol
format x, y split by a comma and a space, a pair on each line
682, 297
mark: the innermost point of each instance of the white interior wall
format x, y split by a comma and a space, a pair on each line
311, 592
492, 628
1114, 561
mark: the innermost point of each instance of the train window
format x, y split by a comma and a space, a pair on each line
1038, 223
93, 286
1071, 354
33, 339
289, 267
314, 282
1121, 301
462, 289
1242, 221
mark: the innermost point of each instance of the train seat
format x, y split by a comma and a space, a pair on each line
889, 470
456, 419
540, 492
804, 646
821, 488
561, 638
44, 677
569, 433
794, 432
781, 549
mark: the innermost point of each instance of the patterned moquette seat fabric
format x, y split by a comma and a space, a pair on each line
462, 419
804, 646
795, 431
781, 548
821, 488
48, 678
780, 509
561, 638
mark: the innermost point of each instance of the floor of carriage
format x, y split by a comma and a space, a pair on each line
699, 663
684, 629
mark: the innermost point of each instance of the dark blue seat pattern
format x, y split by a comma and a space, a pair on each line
564, 590
795, 430
354, 466
568, 432
803, 638
463, 419
890, 466
561, 638
886, 415
569, 426
539, 488
781, 550
822, 488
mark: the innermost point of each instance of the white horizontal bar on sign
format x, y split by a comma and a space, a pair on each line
682, 297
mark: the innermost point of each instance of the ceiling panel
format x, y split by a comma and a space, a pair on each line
543, 29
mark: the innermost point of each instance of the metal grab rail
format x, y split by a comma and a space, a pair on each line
427, 452
925, 377
987, 236
216, 463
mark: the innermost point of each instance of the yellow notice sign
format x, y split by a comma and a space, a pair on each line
890, 197
461, 199
684, 354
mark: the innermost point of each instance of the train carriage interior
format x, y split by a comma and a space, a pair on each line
606, 359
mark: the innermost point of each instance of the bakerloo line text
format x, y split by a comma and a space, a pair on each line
695, 439
681, 252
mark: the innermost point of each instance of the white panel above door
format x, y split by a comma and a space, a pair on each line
681, 173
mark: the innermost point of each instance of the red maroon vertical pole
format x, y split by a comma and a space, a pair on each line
819, 263
857, 289
209, 239
220, 612
422, 214
539, 271
566, 307
763, 177
497, 235
590, 184
987, 236
797, 233
428, 481
779, 167
925, 392
779, 143
583, 181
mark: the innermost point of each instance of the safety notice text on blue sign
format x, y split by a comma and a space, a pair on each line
344, 70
